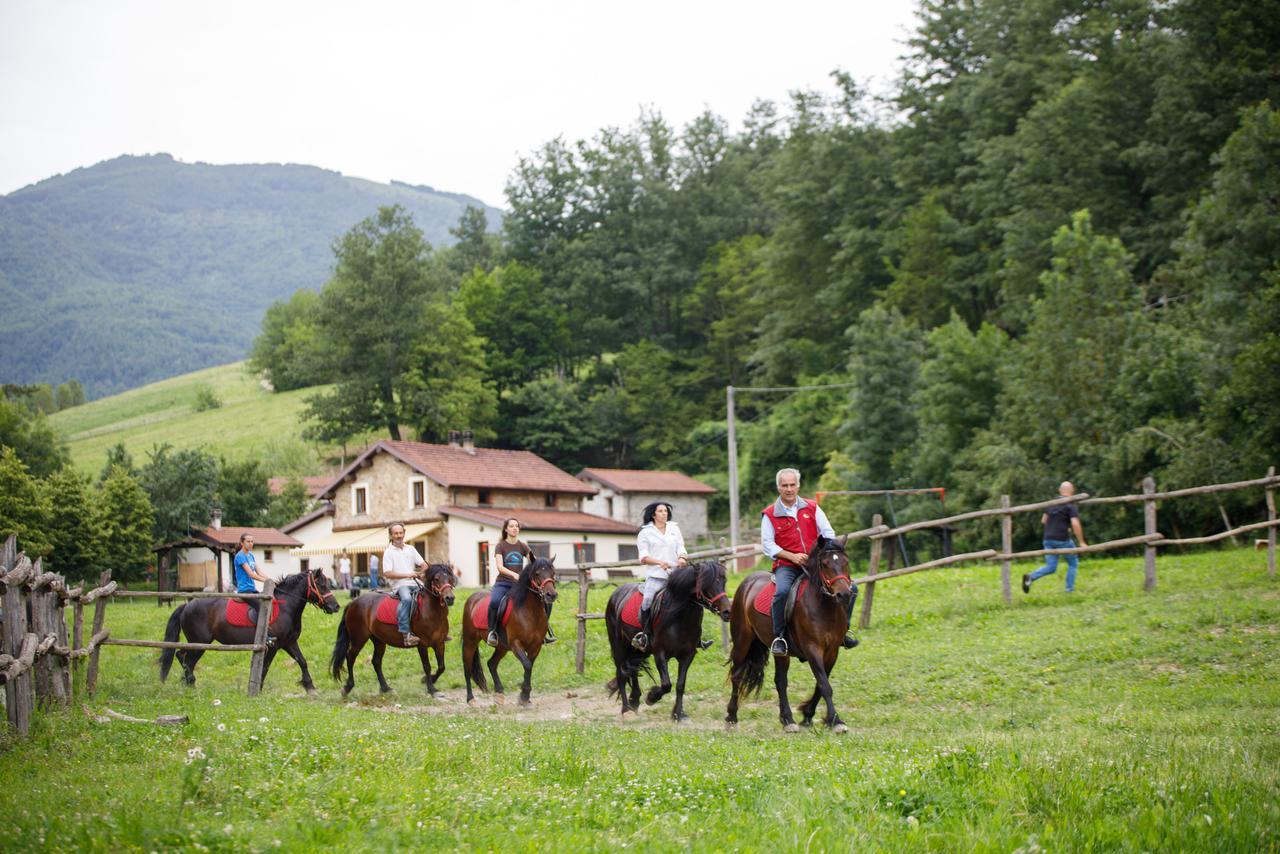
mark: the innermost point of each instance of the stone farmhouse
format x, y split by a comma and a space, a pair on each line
452, 500
624, 493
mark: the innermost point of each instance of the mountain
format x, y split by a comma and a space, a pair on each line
141, 268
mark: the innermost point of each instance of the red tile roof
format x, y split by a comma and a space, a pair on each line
313, 485
487, 468
638, 480
542, 520
261, 536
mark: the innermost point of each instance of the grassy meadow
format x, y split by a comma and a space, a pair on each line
250, 422
1107, 719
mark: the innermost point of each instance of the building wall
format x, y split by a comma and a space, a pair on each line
316, 529
280, 565
388, 495
689, 511
466, 535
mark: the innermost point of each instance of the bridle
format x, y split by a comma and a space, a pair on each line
442, 591
541, 588
829, 586
701, 598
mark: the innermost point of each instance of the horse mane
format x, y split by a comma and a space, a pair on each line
291, 581
521, 588
436, 569
683, 580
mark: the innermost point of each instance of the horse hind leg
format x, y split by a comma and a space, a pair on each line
677, 713
657, 692
189, 659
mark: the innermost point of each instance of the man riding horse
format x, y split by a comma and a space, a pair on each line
788, 529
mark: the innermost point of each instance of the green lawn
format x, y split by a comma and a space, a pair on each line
251, 422
1110, 719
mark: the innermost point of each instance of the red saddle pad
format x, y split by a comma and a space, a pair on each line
764, 599
631, 609
238, 612
480, 616
387, 609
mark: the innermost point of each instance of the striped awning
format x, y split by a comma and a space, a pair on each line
362, 540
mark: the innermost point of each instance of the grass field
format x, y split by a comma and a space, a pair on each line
251, 421
1108, 719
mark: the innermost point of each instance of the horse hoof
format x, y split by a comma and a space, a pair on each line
806, 723
500, 699
437, 696
791, 728
472, 702
683, 719
524, 704
839, 729
730, 726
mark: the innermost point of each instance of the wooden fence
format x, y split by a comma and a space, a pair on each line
39, 667
1150, 540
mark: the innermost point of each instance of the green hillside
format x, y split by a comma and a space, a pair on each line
140, 268
251, 421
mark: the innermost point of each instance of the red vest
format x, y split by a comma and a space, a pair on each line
794, 535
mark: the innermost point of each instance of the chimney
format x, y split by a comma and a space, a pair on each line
455, 439
216, 522
469, 442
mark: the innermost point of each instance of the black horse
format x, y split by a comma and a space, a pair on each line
677, 632
205, 621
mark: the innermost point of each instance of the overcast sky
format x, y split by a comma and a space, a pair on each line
448, 95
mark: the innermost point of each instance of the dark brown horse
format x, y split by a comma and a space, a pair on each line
677, 632
205, 621
817, 627
523, 635
429, 621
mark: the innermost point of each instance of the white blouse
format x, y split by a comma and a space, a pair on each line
668, 547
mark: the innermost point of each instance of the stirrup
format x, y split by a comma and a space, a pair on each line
706, 644
410, 639
492, 639
640, 641
779, 646
550, 638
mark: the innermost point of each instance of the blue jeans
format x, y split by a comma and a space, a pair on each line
1051, 562
784, 577
498, 601
404, 611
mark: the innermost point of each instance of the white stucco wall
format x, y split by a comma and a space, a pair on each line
465, 537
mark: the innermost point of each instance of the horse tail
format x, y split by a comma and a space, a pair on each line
171, 633
340, 647
750, 671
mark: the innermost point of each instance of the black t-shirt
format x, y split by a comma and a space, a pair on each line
1058, 525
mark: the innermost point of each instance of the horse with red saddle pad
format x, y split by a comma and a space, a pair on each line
817, 620
524, 623
209, 620
677, 631
372, 617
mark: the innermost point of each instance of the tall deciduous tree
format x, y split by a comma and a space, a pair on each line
293, 349
24, 506
32, 438
242, 492
180, 485
125, 522
371, 312
445, 388
885, 354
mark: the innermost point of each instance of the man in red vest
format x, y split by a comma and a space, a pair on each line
788, 529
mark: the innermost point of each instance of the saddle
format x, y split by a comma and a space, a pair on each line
764, 599
480, 615
630, 614
387, 606
238, 612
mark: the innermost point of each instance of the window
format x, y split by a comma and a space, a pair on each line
584, 552
482, 497
419, 495
550, 499
540, 548
628, 552
266, 555
305, 564
608, 503
361, 499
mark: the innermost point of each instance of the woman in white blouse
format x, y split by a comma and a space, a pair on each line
661, 547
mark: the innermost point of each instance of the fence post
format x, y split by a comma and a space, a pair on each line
584, 579
77, 635
1006, 546
1149, 551
99, 617
877, 545
1271, 532
19, 696
46, 621
260, 639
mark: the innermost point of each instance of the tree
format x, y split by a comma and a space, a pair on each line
35, 442
551, 418
180, 486
118, 455
125, 521
369, 312
69, 394
242, 492
726, 304
444, 388
292, 349
24, 507
476, 248
292, 503
76, 551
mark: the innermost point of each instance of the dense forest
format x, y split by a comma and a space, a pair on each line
142, 268
1052, 252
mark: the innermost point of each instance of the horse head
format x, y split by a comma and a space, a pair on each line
829, 566
319, 593
709, 589
440, 581
540, 575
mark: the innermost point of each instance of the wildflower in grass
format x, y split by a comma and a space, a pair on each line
222, 727
217, 702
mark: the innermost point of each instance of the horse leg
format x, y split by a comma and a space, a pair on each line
657, 692
435, 677
357, 644
781, 665
380, 649
500, 694
621, 680
809, 707
677, 714
266, 661
296, 654
189, 664
426, 670
820, 673
526, 687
